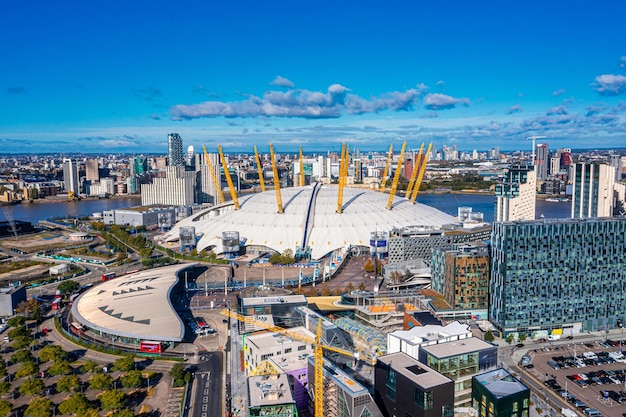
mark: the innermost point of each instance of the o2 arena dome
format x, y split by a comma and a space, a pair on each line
309, 220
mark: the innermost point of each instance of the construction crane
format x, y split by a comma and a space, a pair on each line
229, 181
259, 169
534, 139
414, 173
216, 182
301, 169
386, 171
396, 178
318, 350
420, 176
279, 199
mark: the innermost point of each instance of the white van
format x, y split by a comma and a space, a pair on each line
553, 337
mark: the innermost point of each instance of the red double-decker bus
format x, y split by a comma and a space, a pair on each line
150, 346
107, 276
77, 328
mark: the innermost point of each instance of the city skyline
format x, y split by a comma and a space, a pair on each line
119, 77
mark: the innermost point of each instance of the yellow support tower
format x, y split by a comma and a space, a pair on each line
416, 189
396, 178
216, 182
301, 169
414, 173
259, 169
279, 199
386, 171
342, 163
233, 193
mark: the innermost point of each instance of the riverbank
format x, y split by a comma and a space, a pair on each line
56, 200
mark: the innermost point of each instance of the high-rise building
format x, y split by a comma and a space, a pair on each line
70, 176
190, 157
515, 195
175, 150
208, 191
176, 189
92, 170
616, 162
542, 161
461, 274
558, 275
592, 191
139, 165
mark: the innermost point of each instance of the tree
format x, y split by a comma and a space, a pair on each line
16, 321
489, 337
5, 387
17, 332
39, 407
325, 290
112, 400
5, 407
349, 287
3, 371
22, 356
75, 404
177, 371
22, 341
29, 308
51, 353
369, 266
68, 287
33, 193
509, 339
31, 387
132, 379
125, 363
361, 286
92, 367
90, 412
522, 337
124, 412
27, 369
101, 382
68, 383
60, 367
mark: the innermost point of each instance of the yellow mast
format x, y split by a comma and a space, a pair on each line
342, 164
301, 169
416, 189
216, 182
279, 199
386, 171
396, 178
414, 173
259, 169
233, 192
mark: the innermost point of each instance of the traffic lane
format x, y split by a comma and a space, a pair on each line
208, 386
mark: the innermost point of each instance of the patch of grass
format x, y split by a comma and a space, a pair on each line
14, 266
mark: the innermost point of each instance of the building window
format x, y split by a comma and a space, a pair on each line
390, 385
288, 350
423, 400
447, 410
303, 347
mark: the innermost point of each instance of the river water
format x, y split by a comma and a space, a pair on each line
447, 203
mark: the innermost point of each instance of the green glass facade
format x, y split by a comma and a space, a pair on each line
558, 273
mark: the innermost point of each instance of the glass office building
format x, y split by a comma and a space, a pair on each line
558, 276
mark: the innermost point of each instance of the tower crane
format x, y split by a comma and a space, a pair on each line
318, 349
534, 139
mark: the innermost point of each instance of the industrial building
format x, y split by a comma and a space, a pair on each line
10, 298
164, 217
499, 394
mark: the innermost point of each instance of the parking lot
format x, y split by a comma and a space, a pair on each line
589, 377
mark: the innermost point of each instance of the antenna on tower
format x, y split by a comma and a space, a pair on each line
9, 217
534, 139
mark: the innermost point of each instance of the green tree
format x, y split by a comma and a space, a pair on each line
5, 407
22, 341
31, 387
68, 287
51, 353
76, 403
5, 387
39, 407
3, 371
68, 383
489, 337
60, 367
27, 369
90, 412
22, 356
98, 226
101, 382
112, 400
522, 337
132, 379
30, 309
177, 371
16, 321
124, 412
33, 193
125, 363
509, 339
17, 332
92, 367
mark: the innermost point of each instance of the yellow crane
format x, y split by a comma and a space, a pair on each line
396, 178
259, 169
386, 171
418, 182
216, 182
229, 181
279, 198
301, 169
318, 350
414, 172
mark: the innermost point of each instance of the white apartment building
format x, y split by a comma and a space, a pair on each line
593, 190
409, 341
176, 189
516, 194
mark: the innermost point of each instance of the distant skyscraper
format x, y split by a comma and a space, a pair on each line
515, 195
175, 150
592, 192
542, 161
139, 165
92, 172
70, 176
190, 156
176, 189
616, 162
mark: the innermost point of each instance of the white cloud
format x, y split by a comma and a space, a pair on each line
515, 109
282, 82
438, 101
559, 92
558, 110
610, 84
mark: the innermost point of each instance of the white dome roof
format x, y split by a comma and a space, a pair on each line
258, 220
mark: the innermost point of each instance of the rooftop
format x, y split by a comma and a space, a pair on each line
457, 347
501, 383
432, 333
413, 370
267, 390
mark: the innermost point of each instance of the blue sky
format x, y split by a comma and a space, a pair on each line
118, 76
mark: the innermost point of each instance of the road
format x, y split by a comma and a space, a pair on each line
206, 397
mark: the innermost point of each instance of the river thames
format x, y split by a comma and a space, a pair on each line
447, 203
